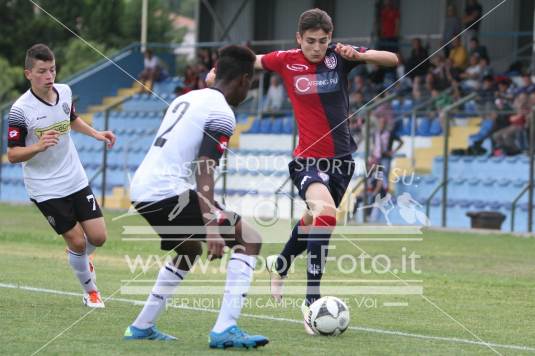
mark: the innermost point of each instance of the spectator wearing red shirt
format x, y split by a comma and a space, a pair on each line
389, 30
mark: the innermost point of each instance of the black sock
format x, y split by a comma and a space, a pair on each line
317, 247
295, 246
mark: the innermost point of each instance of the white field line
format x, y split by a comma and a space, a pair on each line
272, 318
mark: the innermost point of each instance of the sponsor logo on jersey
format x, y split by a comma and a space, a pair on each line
66, 108
13, 134
316, 83
330, 61
297, 67
62, 127
222, 144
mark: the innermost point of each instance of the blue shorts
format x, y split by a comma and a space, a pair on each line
334, 173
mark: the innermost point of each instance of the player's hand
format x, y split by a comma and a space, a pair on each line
106, 136
215, 244
48, 139
210, 77
348, 52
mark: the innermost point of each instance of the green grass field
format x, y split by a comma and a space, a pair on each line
476, 289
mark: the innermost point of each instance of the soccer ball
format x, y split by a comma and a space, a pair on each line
329, 316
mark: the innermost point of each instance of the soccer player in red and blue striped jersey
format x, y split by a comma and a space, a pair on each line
315, 77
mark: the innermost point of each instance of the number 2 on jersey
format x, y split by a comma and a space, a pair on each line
182, 106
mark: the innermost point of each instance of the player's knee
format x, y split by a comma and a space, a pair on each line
76, 245
98, 239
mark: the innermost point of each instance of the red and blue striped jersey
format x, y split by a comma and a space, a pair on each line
319, 96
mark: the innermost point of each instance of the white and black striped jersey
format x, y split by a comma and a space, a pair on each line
57, 171
196, 124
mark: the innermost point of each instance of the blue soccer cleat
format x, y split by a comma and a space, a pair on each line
133, 333
234, 337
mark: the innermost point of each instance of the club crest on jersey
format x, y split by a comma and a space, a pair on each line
66, 108
297, 67
13, 134
330, 61
223, 144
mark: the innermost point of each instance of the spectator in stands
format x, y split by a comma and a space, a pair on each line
504, 90
458, 55
361, 84
439, 77
506, 139
472, 75
486, 93
377, 188
377, 79
381, 138
356, 101
190, 77
417, 59
486, 69
452, 27
275, 95
472, 13
475, 47
527, 87
389, 27
151, 71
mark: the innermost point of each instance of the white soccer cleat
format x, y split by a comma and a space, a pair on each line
305, 309
93, 300
276, 281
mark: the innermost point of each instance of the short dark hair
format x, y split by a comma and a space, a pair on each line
39, 52
234, 61
315, 19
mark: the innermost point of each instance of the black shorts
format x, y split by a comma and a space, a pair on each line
334, 173
179, 218
63, 213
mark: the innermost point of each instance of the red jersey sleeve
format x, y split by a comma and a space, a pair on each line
274, 61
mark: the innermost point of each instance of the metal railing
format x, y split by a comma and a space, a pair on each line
445, 112
104, 166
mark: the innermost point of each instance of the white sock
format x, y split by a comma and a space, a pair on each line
168, 280
89, 247
239, 275
80, 265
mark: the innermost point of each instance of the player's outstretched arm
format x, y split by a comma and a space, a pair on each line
22, 154
81, 126
258, 62
382, 58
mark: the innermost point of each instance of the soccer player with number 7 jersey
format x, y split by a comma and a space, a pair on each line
39, 125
